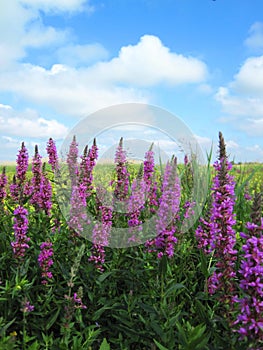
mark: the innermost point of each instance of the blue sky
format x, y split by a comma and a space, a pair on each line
201, 60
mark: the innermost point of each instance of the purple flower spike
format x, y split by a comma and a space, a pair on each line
3, 183
218, 235
167, 213
22, 164
45, 261
52, 154
20, 232
122, 183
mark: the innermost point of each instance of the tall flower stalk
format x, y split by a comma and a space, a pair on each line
20, 244
17, 187
52, 155
122, 182
167, 213
101, 230
250, 305
72, 161
36, 180
88, 162
135, 205
217, 237
148, 174
45, 261
3, 183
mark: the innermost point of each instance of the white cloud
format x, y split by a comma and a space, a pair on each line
29, 124
255, 38
242, 99
77, 55
21, 27
78, 91
249, 79
41, 36
58, 5
149, 63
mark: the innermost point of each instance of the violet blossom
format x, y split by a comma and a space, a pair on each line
148, 174
102, 228
26, 307
3, 183
217, 235
122, 182
250, 304
52, 155
45, 261
72, 161
136, 203
20, 244
17, 186
167, 213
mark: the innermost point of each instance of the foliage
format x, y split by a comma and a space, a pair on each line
134, 300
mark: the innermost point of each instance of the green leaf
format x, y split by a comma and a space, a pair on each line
173, 288
160, 347
52, 319
105, 345
105, 275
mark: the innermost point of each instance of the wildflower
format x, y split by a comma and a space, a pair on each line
73, 302
88, 162
27, 307
78, 215
45, 261
14, 189
167, 213
17, 187
250, 305
218, 235
20, 230
52, 155
122, 183
46, 193
22, 164
148, 173
36, 179
72, 160
3, 182
135, 205
101, 233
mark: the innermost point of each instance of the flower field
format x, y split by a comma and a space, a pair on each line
128, 256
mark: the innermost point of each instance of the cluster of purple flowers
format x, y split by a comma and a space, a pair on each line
72, 161
167, 213
17, 187
250, 318
100, 235
41, 189
122, 182
52, 155
88, 162
20, 244
218, 235
3, 183
26, 307
148, 173
45, 261
136, 203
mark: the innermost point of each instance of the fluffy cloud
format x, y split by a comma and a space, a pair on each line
255, 38
81, 55
242, 99
150, 62
58, 5
21, 27
78, 91
29, 124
